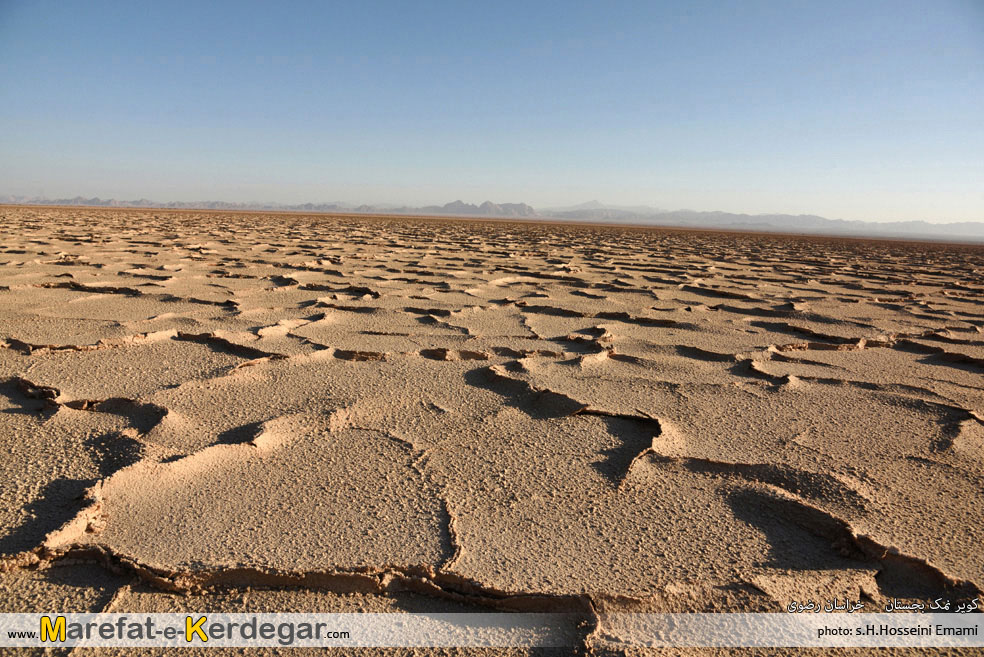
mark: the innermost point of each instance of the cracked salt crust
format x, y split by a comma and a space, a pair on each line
508, 415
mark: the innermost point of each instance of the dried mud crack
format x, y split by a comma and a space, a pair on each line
512, 416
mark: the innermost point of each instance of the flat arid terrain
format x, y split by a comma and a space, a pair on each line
273, 412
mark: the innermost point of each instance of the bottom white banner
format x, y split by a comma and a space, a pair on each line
491, 630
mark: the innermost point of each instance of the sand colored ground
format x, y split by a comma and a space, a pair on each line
290, 413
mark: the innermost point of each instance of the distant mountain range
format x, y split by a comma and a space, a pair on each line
456, 208
592, 211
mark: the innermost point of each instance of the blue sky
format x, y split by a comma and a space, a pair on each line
856, 110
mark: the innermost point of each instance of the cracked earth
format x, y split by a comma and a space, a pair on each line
290, 413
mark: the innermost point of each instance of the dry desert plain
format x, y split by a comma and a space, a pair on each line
273, 412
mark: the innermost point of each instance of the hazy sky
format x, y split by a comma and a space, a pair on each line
848, 109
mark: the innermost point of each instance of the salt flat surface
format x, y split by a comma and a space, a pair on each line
473, 413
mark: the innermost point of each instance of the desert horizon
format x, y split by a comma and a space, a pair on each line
590, 213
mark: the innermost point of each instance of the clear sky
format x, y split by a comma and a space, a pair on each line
848, 109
